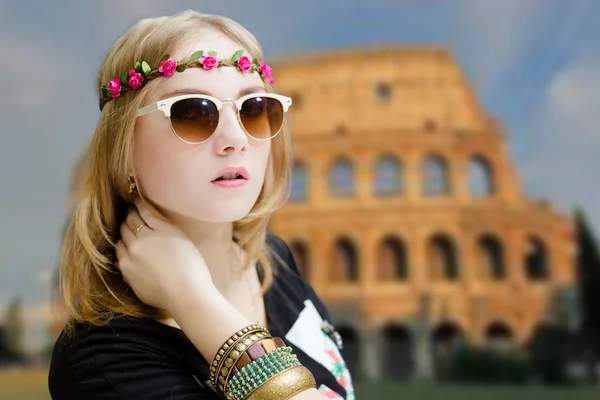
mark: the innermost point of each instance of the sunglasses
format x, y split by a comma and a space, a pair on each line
195, 117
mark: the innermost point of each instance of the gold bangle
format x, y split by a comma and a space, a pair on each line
285, 385
231, 357
231, 354
228, 346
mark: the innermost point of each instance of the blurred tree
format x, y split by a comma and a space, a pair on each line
468, 364
588, 269
550, 352
14, 329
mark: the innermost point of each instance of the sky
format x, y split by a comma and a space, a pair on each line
534, 64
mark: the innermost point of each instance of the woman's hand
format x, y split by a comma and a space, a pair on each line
157, 259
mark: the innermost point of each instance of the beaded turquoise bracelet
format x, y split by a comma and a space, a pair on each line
260, 371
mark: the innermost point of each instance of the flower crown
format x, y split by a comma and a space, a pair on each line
142, 72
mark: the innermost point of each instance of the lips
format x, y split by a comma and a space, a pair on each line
231, 173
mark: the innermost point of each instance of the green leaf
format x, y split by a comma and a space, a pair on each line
138, 67
124, 77
104, 91
165, 57
255, 61
181, 67
252, 68
212, 53
146, 68
194, 57
237, 55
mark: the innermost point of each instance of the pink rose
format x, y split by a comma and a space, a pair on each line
114, 87
135, 79
209, 62
244, 64
168, 67
267, 72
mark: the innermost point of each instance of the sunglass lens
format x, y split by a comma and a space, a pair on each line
194, 120
262, 117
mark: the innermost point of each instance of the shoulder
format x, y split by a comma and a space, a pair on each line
127, 359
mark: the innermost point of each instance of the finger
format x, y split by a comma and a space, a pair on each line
152, 217
136, 223
127, 235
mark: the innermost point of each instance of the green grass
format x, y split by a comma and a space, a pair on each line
33, 386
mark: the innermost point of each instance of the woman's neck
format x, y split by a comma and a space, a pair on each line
215, 243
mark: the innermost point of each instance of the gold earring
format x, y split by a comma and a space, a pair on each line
132, 186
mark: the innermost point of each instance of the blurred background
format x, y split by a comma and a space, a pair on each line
445, 193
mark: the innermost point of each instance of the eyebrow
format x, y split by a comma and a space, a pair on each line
242, 92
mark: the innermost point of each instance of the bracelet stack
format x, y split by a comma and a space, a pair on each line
252, 365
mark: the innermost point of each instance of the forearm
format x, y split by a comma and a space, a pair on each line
208, 320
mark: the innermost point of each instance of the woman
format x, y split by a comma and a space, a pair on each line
174, 289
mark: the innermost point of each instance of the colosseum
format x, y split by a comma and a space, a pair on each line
406, 213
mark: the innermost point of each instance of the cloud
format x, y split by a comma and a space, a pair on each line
503, 40
565, 144
498, 33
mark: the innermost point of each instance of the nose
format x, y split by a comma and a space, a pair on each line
230, 137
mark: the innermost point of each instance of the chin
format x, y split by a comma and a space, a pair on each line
223, 211
225, 216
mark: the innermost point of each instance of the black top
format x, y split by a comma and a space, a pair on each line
144, 359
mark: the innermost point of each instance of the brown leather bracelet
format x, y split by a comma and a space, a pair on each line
256, 351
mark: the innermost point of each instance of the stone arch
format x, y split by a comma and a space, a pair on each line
341, 129
398, 357
481, 177
537, 266
392, 259
301, 255
387, 179
430, 125
436, 176
299, 189
345, 260
442, 260
383, 92
490, 257
351, 348
341, 178
499, 336
445, 337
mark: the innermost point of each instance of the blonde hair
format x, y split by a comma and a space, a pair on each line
93, 290
78, 174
